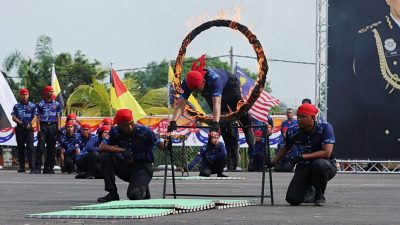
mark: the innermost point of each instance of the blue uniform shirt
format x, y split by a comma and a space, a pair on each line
70, 143
63, 131
321, 134
209, 153
48, 111
258, 148
90, 144
216, 80
24, 112
141, 142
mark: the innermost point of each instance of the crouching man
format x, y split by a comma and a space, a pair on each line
128, 153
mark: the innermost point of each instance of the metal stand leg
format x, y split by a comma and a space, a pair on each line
270, 173
172, 165
165, 174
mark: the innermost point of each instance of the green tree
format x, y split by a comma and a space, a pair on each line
35, 73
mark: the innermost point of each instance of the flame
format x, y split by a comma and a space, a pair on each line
222, 14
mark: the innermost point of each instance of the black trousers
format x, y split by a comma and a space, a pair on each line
90, 164
69, 162
256, 163
138, 175
24, 138
216, 167
317, 174
231, 96
46, 145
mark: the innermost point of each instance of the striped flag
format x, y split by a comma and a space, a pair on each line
263, 104
121, 98
56, 86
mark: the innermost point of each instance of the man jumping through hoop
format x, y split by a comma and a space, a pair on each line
221, 90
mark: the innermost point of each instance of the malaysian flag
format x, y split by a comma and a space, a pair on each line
263, 104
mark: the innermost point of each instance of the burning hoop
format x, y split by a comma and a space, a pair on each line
262, 71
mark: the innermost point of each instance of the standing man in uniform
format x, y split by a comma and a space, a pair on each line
128, 153
284, 165
314, 141
377, 69
24, 114
49, 111
222, 93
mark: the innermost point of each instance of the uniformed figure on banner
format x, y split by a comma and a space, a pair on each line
377, 68
24, 114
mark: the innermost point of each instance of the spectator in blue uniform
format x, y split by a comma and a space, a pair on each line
128, 153
70, 147
257, 152
284, 164
222, 92
314, 162
88, 161
212, 156
24, 115
49, 111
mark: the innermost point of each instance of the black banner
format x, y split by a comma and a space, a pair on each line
363, 79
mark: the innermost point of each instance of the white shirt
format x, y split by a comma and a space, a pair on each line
395, 20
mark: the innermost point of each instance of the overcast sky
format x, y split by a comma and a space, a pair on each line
132, 33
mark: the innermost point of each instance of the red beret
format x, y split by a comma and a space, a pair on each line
85, 126
23, 91
307, 109
71, 116
69, 123
123, 116
258, 133
47, 89
107, 121
104, 128
194, 80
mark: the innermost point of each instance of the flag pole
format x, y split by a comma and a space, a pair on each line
111, 67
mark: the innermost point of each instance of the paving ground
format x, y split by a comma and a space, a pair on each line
351, 199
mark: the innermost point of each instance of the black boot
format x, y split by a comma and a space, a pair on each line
112, 196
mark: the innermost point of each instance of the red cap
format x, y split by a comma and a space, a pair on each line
104, 128
69, 123
307, 109
107, 121
23, 91
194, 80
195, 77
258, 133
213, 134
71, 116
85, 126
123, 116
47, 89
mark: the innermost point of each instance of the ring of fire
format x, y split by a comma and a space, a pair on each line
244, 106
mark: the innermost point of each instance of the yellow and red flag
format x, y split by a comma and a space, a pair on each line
121, 98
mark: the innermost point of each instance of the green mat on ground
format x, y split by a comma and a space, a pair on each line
198, 178
139, 209
106, 214
179, 204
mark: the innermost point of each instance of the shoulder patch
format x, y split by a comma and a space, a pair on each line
365, 29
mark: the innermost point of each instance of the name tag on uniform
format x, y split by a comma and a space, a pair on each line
393, 53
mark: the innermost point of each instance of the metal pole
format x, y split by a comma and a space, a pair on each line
165, 174
270, 173
231, 59
172, 165
111, 83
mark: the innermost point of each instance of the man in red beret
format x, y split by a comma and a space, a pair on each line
70, 147
128, 153
221, 90
49, 117
314, 163
24, 114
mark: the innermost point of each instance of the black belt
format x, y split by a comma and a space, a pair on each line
47, 123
